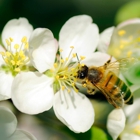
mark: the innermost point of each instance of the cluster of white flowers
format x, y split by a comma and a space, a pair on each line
39, 72
35, 78
124, 42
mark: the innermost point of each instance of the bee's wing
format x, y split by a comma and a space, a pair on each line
120, 64
116, 101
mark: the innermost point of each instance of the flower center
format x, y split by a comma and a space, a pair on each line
127, 46
65, 72
15, 58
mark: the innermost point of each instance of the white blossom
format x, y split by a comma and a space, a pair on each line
55, 82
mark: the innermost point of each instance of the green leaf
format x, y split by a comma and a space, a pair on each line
99, 134
128, 11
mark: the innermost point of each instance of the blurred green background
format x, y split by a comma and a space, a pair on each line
53, 14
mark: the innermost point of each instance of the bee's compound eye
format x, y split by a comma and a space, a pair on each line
81, 75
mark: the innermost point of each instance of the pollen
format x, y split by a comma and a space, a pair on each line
8, 42
72, 47
121, 32
84, 85
137, 129
60, 50
82, 64
62, 87
62, 60
129, 53
139, 117
24, 39
16, 46
82, 57
11, 39
55, 65
74, 54
15, 57
65, 72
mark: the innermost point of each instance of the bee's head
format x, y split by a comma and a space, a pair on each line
82, 73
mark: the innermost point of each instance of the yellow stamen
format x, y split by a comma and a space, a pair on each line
24, 39
82, 65
121, 46
57, 77
11, 39
84, 85
121, 32
139, 116
2, 53
82, 57
13, 62
72, 47
26, 46
74, 54
16, 46
62, 87
55, 65
129, 53
8, 42
60, 50
62, 60
17, 69
8, 54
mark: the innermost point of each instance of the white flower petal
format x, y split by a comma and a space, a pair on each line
129, 136
6, 80
80, 32
22, 135
76, 111
132, 110
1, 59
105, 38
8, 122
130, 21
116, 123
43, 47
16, 29
124, 41
32, 92
96, 59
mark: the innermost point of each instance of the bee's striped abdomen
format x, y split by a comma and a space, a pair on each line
127, 95
118, 88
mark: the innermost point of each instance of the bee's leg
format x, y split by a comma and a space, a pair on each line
91, 91
106, 64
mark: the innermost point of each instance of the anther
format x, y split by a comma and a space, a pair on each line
60, 50
62, 87
82, 57
26, 45
62, 60
17, 69
72, 47
55, 65
121, 32
16, 46
24, 39
84, 85
8, 42
74, 54
11, 39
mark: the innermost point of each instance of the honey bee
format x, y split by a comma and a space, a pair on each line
105, 79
